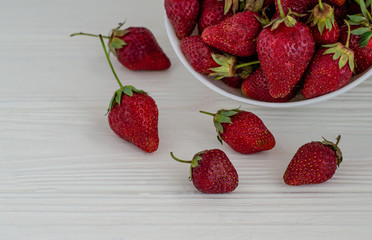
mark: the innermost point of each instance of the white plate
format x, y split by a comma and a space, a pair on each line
236, 94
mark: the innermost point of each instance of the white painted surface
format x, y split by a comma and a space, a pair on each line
65, 175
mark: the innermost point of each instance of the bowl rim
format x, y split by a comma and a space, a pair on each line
175, 42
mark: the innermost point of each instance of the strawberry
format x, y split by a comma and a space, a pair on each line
135, 48
235, 35
327, 74
183, 15
198, 54
243, 131
336, 2
133, 115
256, 87
212, 172
211, 13
288, 43
323, 26
297, 6
234, 82
313, 163
340, 13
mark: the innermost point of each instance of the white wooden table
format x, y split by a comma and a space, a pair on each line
64, 175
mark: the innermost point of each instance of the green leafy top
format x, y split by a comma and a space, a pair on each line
229, 66
118, 95
335, 148
342, 52
194, 162
115, 41
243, 5
288, 19
363, 20
322, 16
222, 116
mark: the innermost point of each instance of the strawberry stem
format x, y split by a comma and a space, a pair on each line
179, 160
338, 139
321, 5
88, 34
208, 113
109, 61
247, 64
281, 9
348, 34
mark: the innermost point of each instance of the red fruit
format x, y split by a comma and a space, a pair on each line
183, 15
133, 115
135, 119
136, 48
212, 172
211, 13
336, 2
256, 87
235, 35
313, 163
242, 131
290, 45
323, 26
234, 82
325, 75
198, 54
297, 6
362, 55
340, 13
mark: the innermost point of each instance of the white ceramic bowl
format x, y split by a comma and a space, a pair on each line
236, 94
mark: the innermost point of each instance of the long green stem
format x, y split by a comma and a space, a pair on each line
88, 34
348, 34
281, 9
208, 113
247, 64
321, 5
179, 160
109, 61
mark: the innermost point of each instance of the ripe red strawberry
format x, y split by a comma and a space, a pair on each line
297, 6
212, 13
183, 15
362, 46
235, 35
198, 54
136, 48
313, 163
331, 68
340, 13
326, 74
256, 87
336, 2
133, 115
212, 172
243, 131
323, 26
234, 82
290, 45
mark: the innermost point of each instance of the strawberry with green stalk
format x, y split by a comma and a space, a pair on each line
290, 44
211, 171
135, 48
313, 163
331, 68
360, 39
133, 114
243, 131
323, 26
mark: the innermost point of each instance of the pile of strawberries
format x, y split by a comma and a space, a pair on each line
275, 50
269, 60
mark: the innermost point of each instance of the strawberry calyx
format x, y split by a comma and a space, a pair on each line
342, 52
288, 19
222, 116
229, 67
234, 5
364, 30
115, 41
322, 15
335, 148
118, 95
253, 5
193, 163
